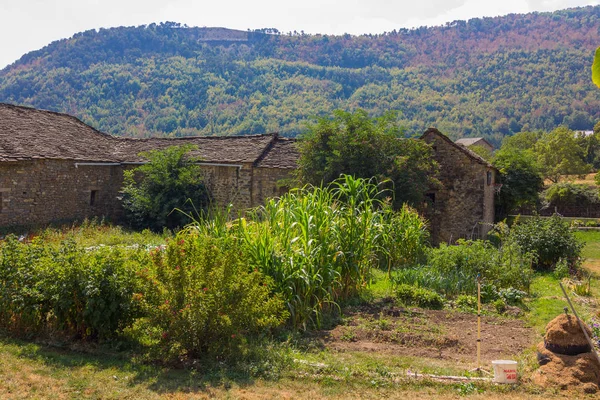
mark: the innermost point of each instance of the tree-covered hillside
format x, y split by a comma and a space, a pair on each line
489, 77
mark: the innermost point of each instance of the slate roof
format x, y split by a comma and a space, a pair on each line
282, 154
28, 133
211, 149
471, 141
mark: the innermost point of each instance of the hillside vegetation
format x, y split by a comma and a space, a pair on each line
489, 77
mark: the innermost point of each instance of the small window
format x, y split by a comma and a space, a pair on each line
1, 199
430, 197
93, 195
489, 178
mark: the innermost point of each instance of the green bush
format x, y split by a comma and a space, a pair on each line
499, 305
550, 239
411, 295
170, 180
466, 302
67, 290
453, 270
570, 194
209, 301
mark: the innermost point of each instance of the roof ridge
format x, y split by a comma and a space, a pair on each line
476, 157
72, 117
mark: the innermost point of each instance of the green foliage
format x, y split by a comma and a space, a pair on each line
417, 296
162, 193
559, 154
453, 270
561, 270
520, 177
467, 302
354, 144
596, 68
208, 301
570, 194
549, 238
160, 79
68, 290
499, 305
320, 244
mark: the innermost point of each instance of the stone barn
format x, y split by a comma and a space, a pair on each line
54, 168
464, 206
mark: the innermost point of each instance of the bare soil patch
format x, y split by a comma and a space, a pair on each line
443, 334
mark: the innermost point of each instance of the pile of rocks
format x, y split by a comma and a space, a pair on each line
566, 358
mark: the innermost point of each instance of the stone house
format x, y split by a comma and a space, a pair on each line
468, 142
464, 206
54, 168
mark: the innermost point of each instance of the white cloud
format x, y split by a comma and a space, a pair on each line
28, 25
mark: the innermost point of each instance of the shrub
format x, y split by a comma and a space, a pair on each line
88, 294
499, 305
411, 295
549, 238
453, 270
466, 302
170, 180
209, 301
569, 194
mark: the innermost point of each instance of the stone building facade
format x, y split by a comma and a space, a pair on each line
463, 208
53, 167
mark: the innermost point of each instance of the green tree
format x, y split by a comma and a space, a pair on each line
559, 154
357, 145
520, 177
170, 180
521, 141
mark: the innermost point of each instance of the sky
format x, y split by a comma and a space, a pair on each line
27, 25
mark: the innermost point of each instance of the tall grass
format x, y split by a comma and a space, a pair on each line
320, 244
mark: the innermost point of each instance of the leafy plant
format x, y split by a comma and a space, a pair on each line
550, 239
170, 180
466, 302
209, 302
422, 297
453, 270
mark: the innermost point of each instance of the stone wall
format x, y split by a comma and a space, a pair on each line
230, 184
464, 206
42, 191
269, 182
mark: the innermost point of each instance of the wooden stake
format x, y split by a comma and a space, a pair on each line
478, 322
580, 323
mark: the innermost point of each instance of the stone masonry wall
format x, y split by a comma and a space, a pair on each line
230, 184
267, 183
464, 206
43, 191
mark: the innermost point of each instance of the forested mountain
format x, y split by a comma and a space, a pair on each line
486, 76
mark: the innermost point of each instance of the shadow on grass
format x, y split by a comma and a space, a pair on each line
199, 376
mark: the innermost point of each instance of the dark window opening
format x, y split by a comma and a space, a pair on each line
430, 197
93, 197
489, 178
1, 199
